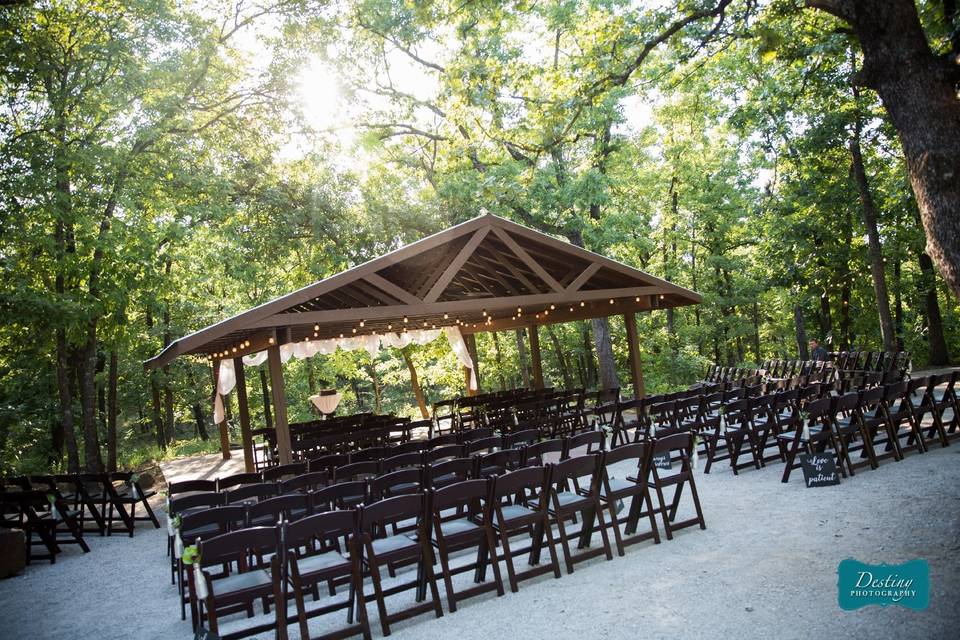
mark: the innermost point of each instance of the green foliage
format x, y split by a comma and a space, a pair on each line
157, 175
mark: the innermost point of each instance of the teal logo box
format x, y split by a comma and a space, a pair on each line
860, 584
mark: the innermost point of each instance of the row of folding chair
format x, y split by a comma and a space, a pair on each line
427, 527
100, 502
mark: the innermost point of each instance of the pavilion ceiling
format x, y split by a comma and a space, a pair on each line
485, 274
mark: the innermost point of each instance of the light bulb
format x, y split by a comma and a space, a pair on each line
361, 323
552, 308
581, 303
446, 316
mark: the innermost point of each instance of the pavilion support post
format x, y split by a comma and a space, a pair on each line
224, 430
279, 404
244, 410
466, 382
633, 356
534, 338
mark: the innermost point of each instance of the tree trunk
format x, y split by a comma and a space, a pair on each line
801, 332
561, 358
471, 341
112, 379
311, 377
845, 317
589, 360
897, 302
92, 459
875, 251
496, 350
919, 91
756, 334
101, 394
377, 390
265, 390
199, 418
939, 352
847, 277
522, 356
826, 323
415, 383
157, 412
357, 394
65, 388
604, 346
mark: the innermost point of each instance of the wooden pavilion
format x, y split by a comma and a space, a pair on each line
486, 274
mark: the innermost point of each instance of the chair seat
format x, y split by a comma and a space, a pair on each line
515, 512
790, 435
617, 485
571, 500
391, 544
193, 534
458, 526
241, 582
321, 562
404, 486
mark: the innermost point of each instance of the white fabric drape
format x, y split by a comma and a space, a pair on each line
370, 343
228, 377
455, 338
255, 359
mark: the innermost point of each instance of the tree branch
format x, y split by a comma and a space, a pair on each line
842, 9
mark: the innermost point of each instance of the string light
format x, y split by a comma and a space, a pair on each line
571, 309
484, 313
341, 335
581, 303
354, 329
433, 326
316, 327
553, 308
271, 340
537, 316
246, 343
519, 311
405, 320
637, 299
446, 316
389, 326
513, 318
661, 296
362, 323
546, 312
424, 323
611, 300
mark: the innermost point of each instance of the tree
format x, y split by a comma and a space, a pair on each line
918, 86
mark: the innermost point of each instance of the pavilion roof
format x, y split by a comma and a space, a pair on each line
486, 274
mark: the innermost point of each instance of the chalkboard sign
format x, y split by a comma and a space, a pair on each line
662, 461
819, 469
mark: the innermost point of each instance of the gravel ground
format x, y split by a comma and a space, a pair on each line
764, 567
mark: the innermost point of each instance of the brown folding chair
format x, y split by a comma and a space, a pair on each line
677, 446
380, 549
575, 489
313, 556
636, 488
466, 530
233, 571
518, 505
131, 495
